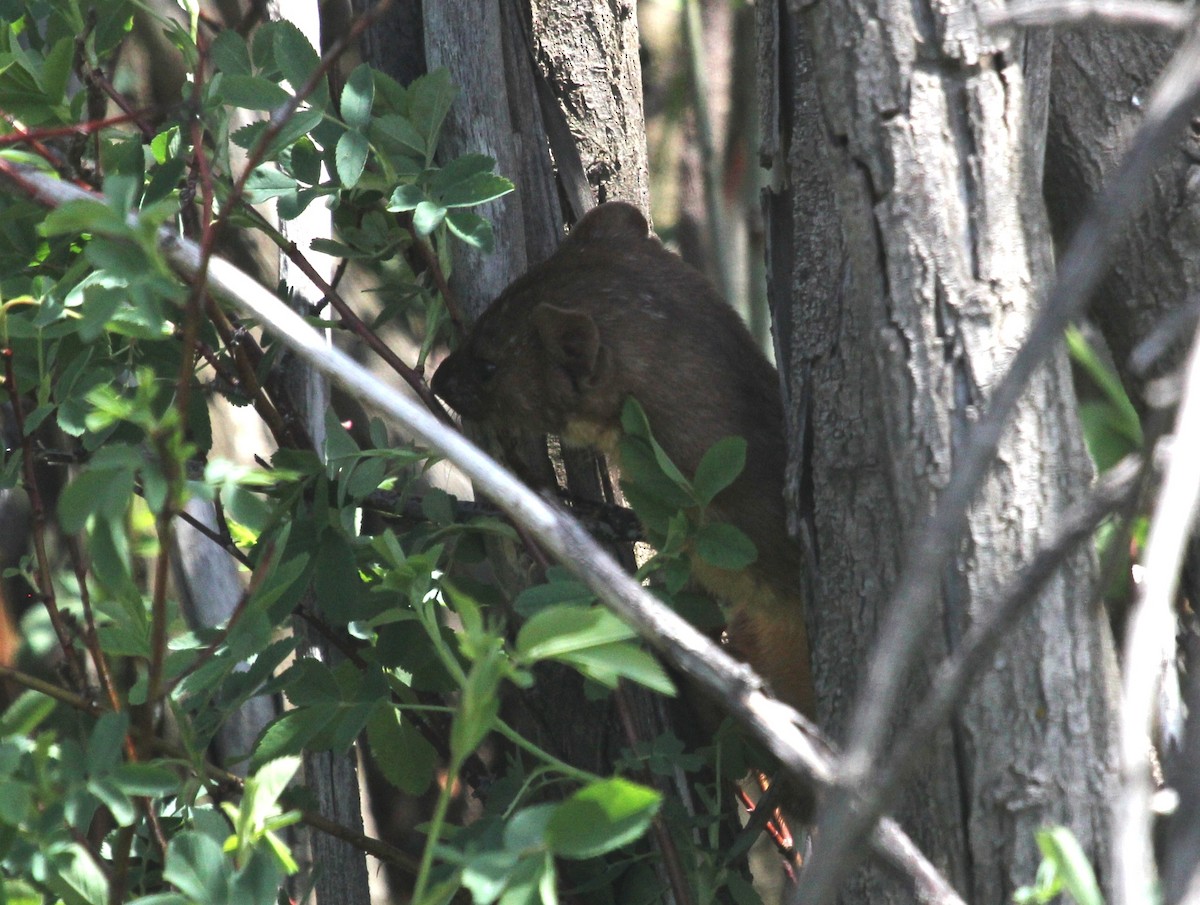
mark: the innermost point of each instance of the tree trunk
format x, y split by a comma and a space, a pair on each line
1101, 79
903, 132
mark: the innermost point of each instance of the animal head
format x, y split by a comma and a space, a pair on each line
537, 359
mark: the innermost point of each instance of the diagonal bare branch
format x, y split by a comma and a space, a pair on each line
803, 751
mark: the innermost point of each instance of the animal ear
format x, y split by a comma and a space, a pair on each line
611, 220
570, 338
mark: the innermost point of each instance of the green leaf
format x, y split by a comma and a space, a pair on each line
106, 742
266, 182
351, 158
265, 787
96, 491
229, 53
1059, 846
397, 134
724, 546
252, 93
556, 593
476, 190
608, 663
1125, 415
78, 878
25, 714
290, 733
472, 229
406, 198
600, 818
479, 706
84, 215
15, 801
635, 424
427, 217
357, 97
526, 829
403, 755
146, 780
298, 60
336, 580
197, 867
57, 69
719, 468
429, 100
561, 630
120, 805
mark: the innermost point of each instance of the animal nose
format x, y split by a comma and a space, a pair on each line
456, 389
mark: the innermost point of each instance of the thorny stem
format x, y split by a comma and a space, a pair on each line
45, 580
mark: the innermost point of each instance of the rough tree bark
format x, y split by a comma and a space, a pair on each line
1101, 78
908, 248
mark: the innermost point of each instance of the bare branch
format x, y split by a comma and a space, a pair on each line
1128, 13
799, 746
1150, 644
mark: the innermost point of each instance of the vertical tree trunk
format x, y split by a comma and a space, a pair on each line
904, 132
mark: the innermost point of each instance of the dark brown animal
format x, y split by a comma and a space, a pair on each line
613, 314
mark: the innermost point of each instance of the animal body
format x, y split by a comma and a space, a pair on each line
613, 314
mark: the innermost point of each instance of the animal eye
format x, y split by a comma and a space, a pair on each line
486, 370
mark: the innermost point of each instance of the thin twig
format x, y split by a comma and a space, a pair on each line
1150, 644
434, 266
99, 80
1124, 13
91, 638
354, 323
45, 579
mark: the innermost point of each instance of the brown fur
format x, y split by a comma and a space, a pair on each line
613, 314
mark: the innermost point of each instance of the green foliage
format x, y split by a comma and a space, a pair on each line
1064, 870
675, 509
1111, 425
1112, 430
115, 367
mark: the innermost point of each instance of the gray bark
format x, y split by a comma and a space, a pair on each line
589, 51
1100, 79
904, 133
